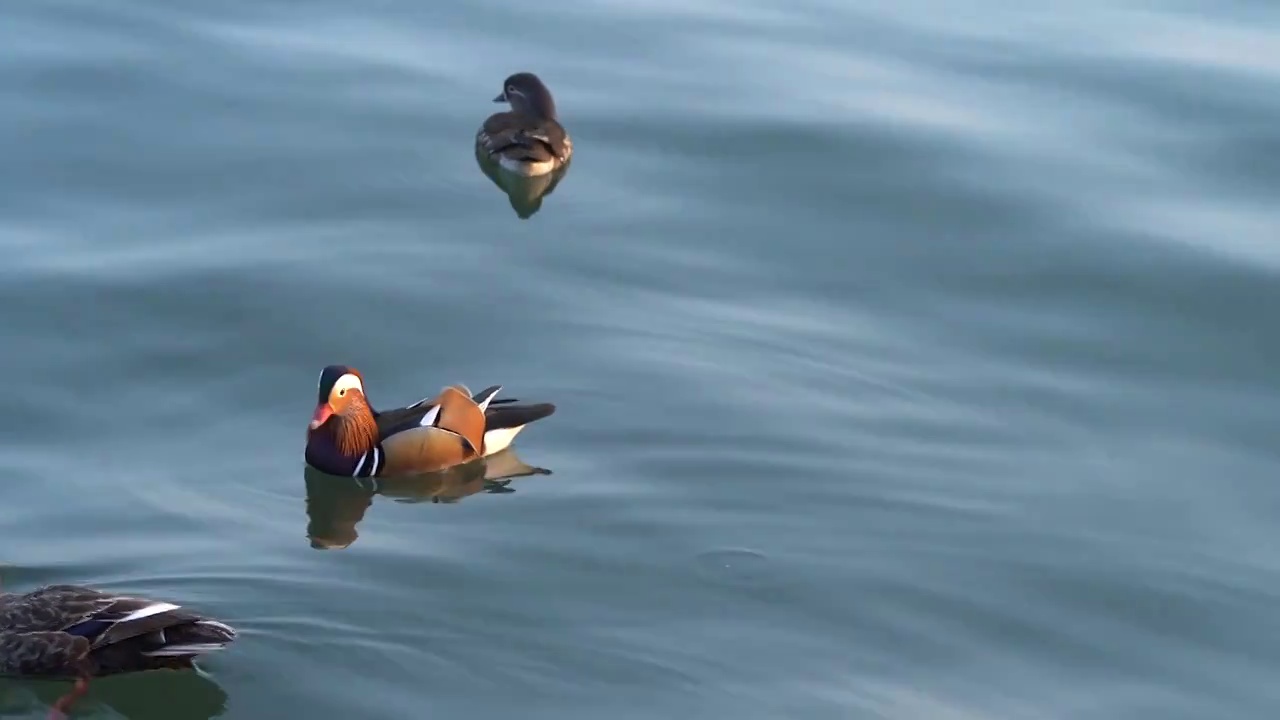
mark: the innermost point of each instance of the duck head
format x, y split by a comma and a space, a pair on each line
526, 94
343, 416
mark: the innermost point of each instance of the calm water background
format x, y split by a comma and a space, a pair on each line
914, 359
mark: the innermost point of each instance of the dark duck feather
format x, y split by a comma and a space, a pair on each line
528, 139
347, 436
67, 631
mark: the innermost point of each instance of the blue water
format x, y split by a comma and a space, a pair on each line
913, 360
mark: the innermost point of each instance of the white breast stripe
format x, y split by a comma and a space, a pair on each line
356, 472
430, 418
148, 611
377, 461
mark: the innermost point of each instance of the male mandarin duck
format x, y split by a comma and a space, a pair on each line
348, 437
67, 631
529, 139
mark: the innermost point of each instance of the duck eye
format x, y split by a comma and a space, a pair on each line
511, 89
342, 392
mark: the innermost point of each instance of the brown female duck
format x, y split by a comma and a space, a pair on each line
528, 139
67, 631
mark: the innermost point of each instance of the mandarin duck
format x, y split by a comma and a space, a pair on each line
347, 436
528, 139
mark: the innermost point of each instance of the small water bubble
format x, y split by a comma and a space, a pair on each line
738, 567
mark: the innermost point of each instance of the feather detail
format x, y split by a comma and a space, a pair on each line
371, 463
486, 396
504, 422
148, 611
460, 414
423, 450
510, 416
66, 630
355, 429
523, 144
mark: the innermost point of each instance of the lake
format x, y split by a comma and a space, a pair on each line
912, 360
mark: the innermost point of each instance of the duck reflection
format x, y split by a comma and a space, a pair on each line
335, 505
153, 695
524, 193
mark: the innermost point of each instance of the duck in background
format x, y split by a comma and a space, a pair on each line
528, 139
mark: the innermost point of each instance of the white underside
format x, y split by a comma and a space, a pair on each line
524, 167
495, 441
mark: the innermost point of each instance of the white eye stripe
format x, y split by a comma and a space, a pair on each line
346, 382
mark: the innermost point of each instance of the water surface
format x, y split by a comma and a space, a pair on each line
911, 360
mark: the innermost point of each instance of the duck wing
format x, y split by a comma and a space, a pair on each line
454, 410
450, 428
524, 137
53, 608
102, 618
431, 434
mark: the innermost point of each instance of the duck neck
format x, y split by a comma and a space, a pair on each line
353, 432
538, 102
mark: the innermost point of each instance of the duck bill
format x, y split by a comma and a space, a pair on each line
501, 98
323, 412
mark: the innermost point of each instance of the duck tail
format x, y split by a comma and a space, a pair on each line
194, 638
507, 416
504, 422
